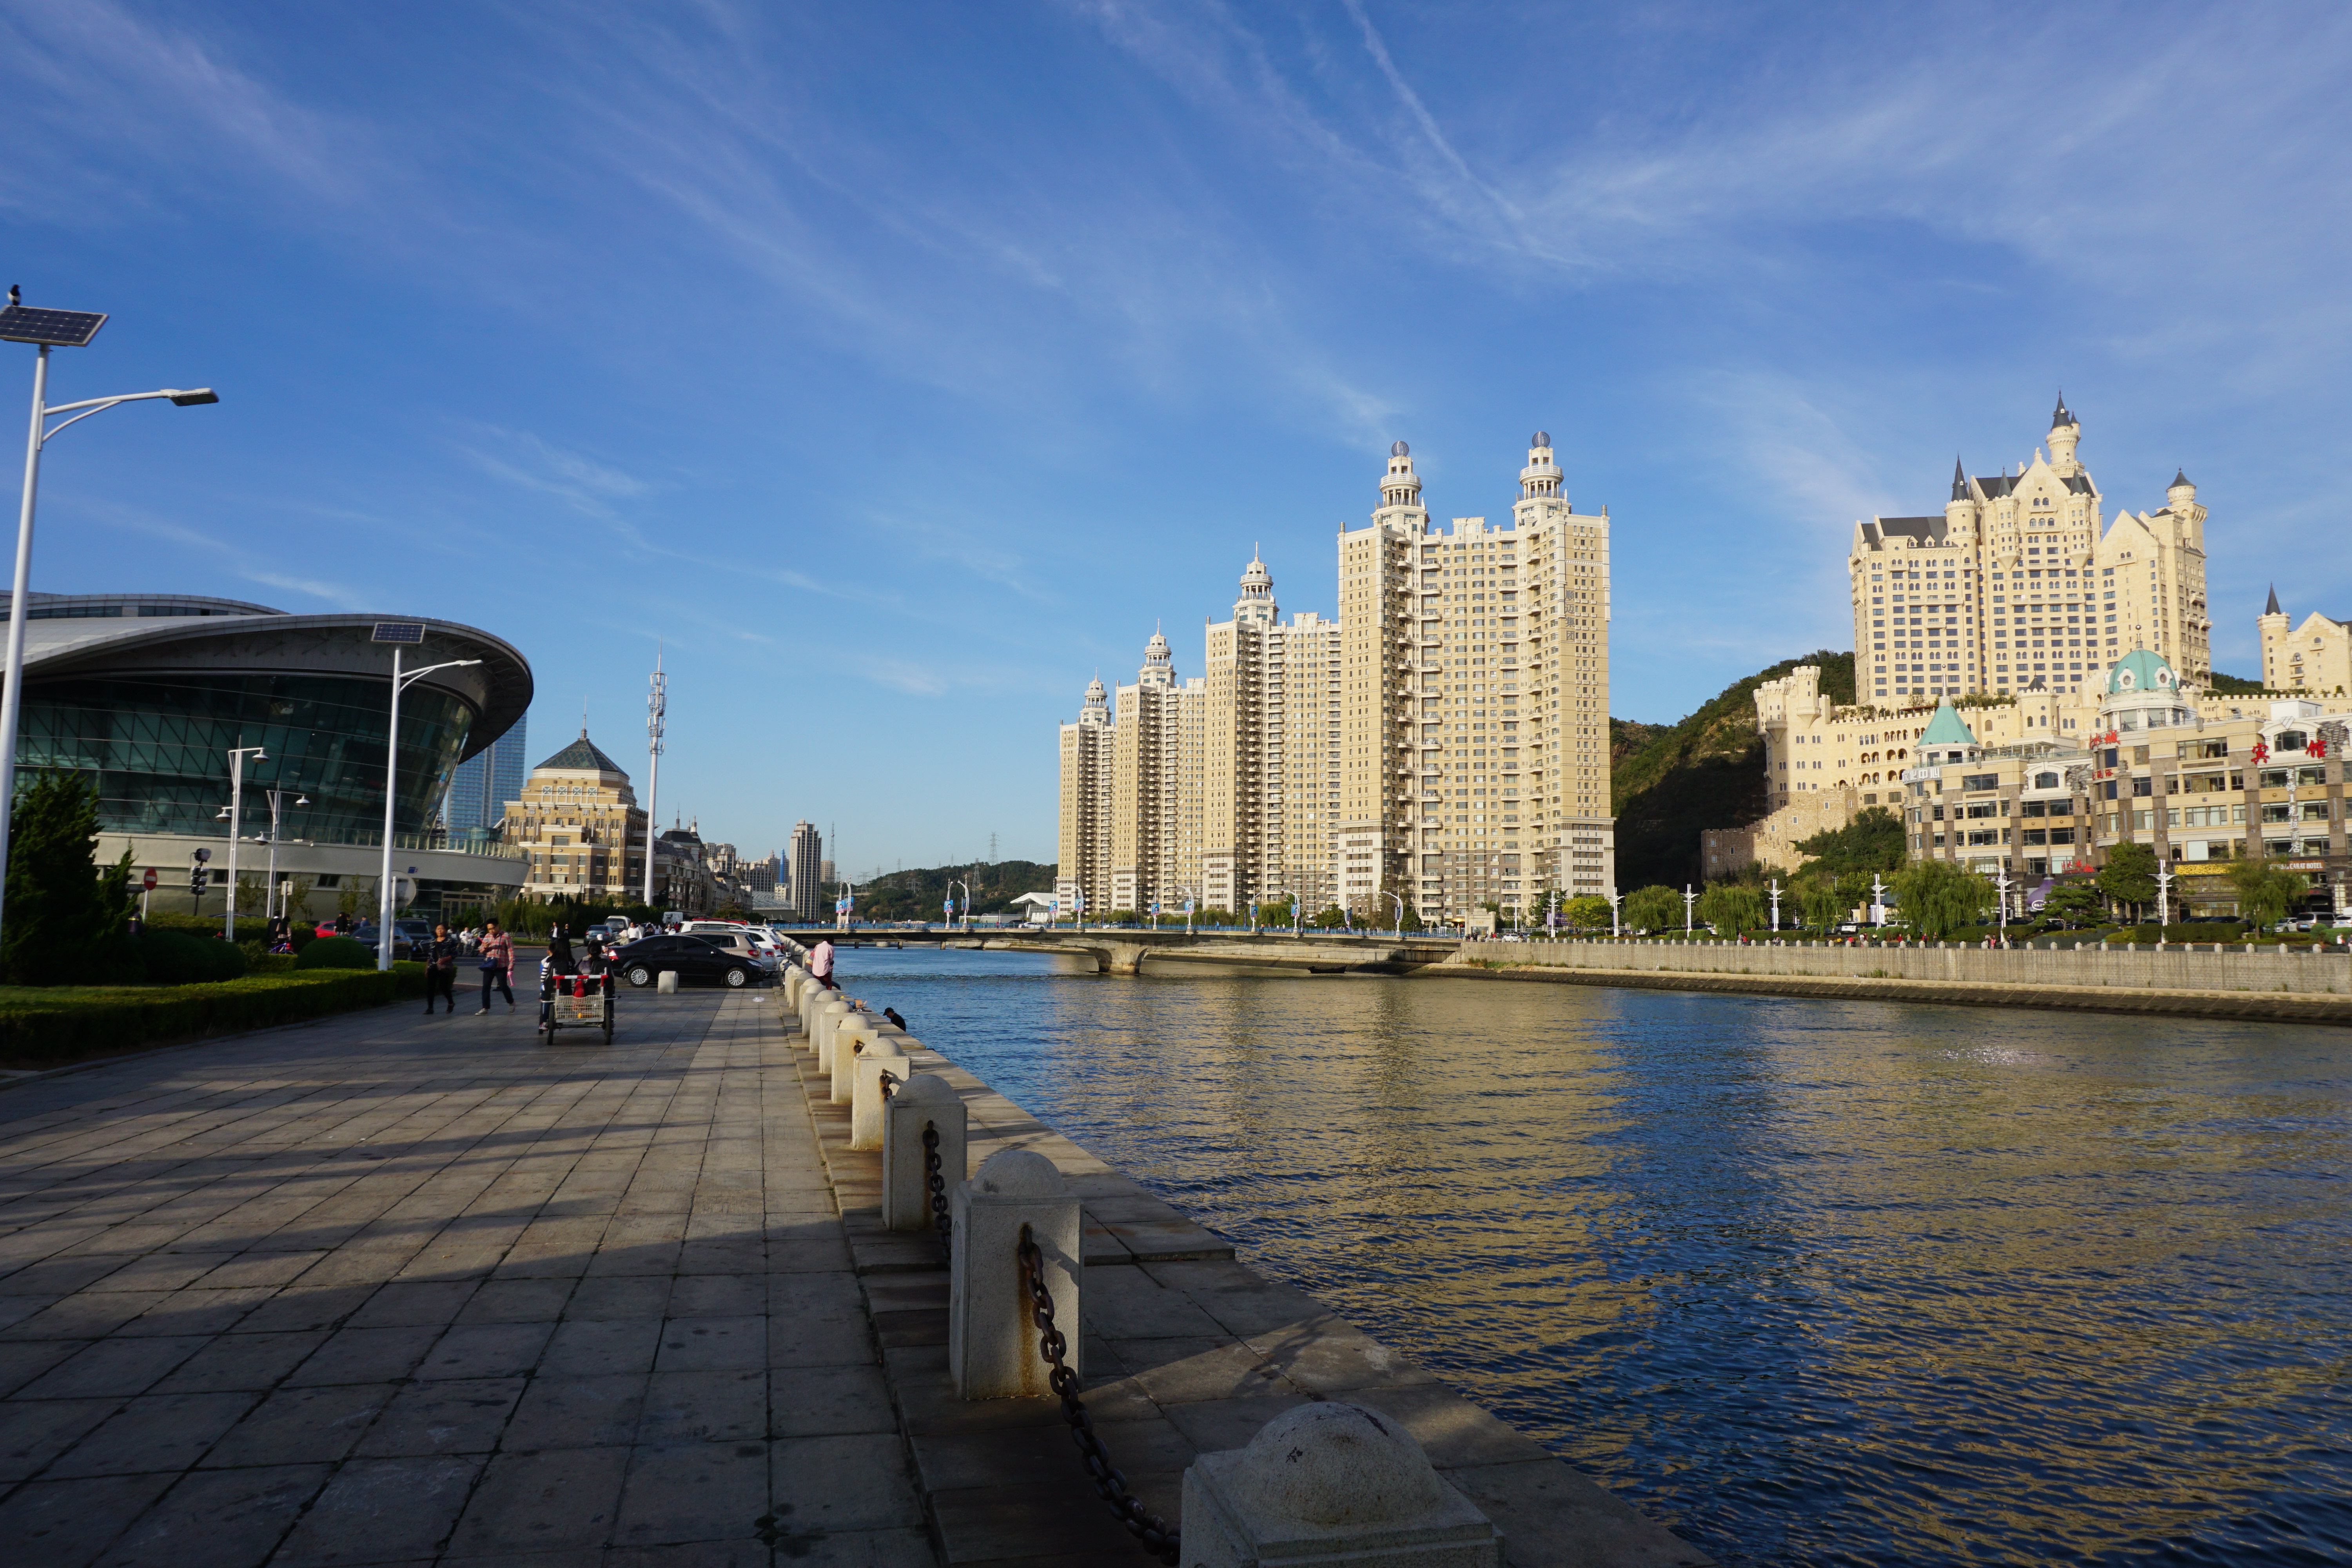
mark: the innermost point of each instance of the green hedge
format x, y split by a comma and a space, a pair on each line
54, 1026
336, 952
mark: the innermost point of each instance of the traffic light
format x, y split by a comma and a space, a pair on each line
197, 881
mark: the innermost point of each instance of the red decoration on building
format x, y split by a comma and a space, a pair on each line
2262, 752
2319, 748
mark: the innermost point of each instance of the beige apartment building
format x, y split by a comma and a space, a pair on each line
2314, 656
1442, 742
1083, 878
2021, 585
1475, 712
579, 826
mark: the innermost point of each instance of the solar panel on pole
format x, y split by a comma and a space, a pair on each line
400, 631
59, 329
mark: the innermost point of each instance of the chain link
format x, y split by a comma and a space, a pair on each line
1159, 1537
941, 1220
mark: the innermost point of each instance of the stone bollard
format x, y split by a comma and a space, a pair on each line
825, 1023
667, 983
851, 1034
926, 1101
1331, 1484
865, 1096
991, 1342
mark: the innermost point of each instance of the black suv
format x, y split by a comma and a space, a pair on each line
641, 963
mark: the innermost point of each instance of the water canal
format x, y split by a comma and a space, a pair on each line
1814, 1282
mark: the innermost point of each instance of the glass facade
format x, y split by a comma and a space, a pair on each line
159, 745
484, 782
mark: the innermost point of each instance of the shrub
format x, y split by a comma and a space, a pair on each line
300, 937
271, 963
40, 1033
66, 921
335, 952
178, 958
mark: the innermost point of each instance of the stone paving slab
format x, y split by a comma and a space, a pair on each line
390, 1289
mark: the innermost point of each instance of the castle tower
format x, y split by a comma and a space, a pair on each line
1540, 477
2065, 432
1255, 607
1159, 664
2276, 631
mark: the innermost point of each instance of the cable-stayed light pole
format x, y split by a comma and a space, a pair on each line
656, 721
45, 330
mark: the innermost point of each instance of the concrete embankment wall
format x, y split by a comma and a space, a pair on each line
2275, 984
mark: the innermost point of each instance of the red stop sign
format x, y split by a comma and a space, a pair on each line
148, 882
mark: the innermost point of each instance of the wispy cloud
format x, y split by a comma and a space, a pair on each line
236, 558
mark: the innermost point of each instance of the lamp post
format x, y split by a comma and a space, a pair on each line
1616, 927
2001, 891
1776, 906
2163, 898
953, 884
657, 722
1690, 902
400, 635
48, 330
276, 806
1877, 901
235, 811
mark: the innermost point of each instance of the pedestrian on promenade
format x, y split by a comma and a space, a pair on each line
821, 962
498, 963
440, 956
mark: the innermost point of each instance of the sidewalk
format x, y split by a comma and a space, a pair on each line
391, 1290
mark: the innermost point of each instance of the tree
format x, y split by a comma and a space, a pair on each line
1589, 912
1873, 841
1818, 903
1653, 909
2073, 901
1937, 898
1733, 910
66, 926
1331, 919
2129, 875
1276, 911
2265, 892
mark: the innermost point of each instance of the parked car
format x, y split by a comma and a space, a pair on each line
739, 943
641, 963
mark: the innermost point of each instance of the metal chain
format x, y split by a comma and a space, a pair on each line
1159, 1537
941, 1220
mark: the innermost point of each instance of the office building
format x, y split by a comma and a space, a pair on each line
484, 782
807, 870
579, 827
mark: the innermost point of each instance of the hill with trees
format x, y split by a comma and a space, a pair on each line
916, 894
1707, 771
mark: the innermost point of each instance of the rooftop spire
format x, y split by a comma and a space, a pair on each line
1959, 479
2273, 607
2062, 414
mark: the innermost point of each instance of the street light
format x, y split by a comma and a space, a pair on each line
235, 811
1690, 901
400, 635
48, 330
277, 805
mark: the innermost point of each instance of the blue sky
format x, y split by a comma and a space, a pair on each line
900, 365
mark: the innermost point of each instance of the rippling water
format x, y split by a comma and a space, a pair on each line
1814, 1282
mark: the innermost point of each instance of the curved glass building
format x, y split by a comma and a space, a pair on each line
149, 694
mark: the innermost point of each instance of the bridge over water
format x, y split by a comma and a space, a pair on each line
1118, 951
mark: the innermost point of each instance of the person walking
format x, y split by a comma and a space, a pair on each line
440, 956
821, 962
498, 964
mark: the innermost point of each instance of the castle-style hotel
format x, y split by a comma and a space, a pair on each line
2070, 664
1441, 744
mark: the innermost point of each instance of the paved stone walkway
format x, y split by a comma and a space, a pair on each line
386, 1289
